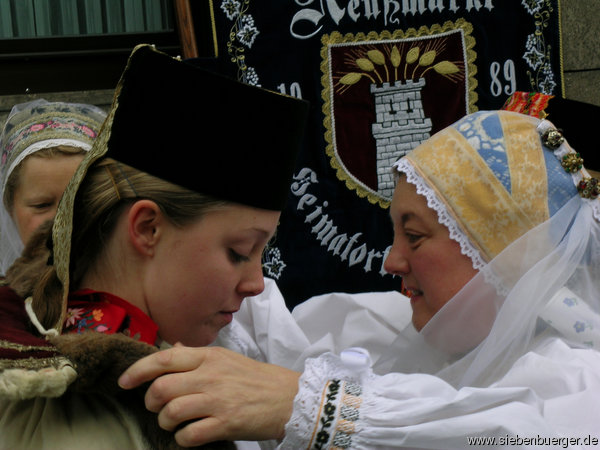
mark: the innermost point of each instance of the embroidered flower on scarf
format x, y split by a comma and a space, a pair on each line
98, 314
81, 319
579, 327
38, 127
73, 315
82, 325
87, 130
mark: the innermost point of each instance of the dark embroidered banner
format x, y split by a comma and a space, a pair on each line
381, 76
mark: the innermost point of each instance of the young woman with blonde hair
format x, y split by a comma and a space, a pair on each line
157, 240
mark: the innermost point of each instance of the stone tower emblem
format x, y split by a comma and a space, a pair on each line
383, 97
401, 125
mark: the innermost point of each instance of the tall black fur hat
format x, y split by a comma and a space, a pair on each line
206, 132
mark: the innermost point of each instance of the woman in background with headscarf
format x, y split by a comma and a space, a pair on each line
42, 144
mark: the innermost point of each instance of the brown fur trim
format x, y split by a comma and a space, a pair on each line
99, 360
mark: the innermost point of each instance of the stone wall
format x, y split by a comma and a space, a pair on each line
580, 23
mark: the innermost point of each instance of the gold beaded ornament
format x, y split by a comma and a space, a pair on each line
588, 187
552, 138
572, 162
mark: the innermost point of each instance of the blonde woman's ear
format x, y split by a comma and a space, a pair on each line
145, 222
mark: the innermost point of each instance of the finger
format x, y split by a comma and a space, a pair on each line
181, 410
167, 387
175, 359
201, 432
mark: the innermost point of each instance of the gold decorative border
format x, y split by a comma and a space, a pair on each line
25, 348
338, 38
213, 25
40, 364
560, 50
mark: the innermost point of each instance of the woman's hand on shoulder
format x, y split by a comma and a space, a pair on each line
236, 397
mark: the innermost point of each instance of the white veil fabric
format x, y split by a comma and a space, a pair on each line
11, 245
29, 128
539, 280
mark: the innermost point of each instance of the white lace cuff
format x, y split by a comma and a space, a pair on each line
327, 406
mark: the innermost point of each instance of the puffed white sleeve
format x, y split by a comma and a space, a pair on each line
342, 404
264, 328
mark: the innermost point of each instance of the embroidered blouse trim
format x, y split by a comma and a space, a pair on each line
339, 413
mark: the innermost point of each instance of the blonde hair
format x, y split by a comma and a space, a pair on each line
14, 179
106, 190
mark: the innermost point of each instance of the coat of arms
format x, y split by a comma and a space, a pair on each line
386, 93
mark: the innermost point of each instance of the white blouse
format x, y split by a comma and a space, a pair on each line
549, 398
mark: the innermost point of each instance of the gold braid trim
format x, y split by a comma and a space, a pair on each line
52, 362
25, 348
63, 220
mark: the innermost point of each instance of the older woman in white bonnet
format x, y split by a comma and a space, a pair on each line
42, 144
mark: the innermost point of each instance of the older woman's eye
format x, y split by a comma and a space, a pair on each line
42, 205
412, 238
